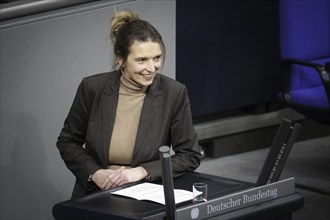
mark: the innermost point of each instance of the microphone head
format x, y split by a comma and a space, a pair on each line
164, 149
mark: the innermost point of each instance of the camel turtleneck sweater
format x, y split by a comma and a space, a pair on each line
129, 107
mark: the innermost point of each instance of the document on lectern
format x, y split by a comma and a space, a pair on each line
152, 192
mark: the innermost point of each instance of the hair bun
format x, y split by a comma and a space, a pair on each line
119, 20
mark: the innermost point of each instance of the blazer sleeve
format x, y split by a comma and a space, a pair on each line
72, 136
183, 139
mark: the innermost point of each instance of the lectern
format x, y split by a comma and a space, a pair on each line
104, 205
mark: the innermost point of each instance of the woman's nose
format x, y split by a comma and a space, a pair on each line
150, 66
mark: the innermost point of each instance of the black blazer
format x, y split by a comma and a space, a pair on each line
165, 120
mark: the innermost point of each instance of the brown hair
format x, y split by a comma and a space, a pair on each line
126, 27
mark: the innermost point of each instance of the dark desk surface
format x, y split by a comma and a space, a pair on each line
103, 205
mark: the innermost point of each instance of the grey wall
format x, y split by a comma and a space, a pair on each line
43, 59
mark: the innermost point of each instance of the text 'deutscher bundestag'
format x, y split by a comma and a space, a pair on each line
238, 200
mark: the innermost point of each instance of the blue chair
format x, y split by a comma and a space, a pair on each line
305, 52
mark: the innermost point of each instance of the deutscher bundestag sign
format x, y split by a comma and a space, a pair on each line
237, 200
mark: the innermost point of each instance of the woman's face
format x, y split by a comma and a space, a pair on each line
143, 62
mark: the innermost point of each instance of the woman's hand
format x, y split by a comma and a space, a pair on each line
107, 178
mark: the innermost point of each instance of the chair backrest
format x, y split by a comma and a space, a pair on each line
305, 29
305, 50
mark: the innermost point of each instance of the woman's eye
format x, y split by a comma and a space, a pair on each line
140, 60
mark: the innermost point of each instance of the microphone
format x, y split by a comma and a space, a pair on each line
167, 178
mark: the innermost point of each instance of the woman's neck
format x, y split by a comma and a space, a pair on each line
131, 86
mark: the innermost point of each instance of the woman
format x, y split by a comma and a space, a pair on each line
118, 120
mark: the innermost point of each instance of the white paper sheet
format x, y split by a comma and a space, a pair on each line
153, 192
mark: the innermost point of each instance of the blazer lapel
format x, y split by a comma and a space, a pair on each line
149, 112
109, 102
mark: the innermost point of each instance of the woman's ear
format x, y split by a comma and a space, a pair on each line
119, 61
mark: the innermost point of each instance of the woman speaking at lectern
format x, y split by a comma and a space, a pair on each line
119, 119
